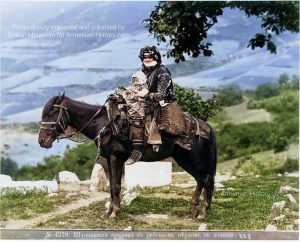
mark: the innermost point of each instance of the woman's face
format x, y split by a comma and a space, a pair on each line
148, 60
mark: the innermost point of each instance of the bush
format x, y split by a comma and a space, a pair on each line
9, 167
231, 95
236, 140
191, 102
280, 144
79, 160
266, 90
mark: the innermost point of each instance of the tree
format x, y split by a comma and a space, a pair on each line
185, 24
9, 167
191, 102
231, 95
266, 90
283, 80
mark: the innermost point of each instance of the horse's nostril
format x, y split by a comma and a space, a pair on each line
41, 140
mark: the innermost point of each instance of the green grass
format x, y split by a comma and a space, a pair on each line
265, 162
246, 208
250, 204
17, 205
239, 114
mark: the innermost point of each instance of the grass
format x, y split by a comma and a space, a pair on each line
250, 204
245, 208
263, 162
17, 205
239, 114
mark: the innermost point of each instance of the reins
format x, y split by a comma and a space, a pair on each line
60, 118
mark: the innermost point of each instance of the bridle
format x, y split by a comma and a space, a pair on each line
61, 122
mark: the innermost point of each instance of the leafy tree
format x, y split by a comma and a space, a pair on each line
295, 82
9, 167
283, 80
184, 25
266, 90
231, 95
191, 102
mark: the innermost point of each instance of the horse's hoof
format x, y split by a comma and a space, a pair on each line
113, 215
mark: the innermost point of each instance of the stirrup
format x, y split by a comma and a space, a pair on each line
135, 156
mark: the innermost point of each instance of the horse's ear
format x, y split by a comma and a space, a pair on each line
61, 97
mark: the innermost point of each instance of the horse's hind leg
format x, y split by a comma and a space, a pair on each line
208, 190
208, 187
195, 201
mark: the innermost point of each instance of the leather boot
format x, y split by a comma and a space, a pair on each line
137, 136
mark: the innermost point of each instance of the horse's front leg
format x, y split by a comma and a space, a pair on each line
110, 176
117, 170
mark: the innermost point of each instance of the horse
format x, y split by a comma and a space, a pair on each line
61, 112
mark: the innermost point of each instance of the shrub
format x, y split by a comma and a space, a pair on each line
280, 144
231, 95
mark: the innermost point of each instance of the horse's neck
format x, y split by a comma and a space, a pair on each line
81, 115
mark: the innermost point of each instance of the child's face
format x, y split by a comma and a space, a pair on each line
136, 81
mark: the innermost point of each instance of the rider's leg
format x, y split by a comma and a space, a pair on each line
137, 138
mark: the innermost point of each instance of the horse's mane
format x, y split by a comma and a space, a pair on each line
59, 99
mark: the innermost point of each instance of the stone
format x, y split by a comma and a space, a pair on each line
279, 218
230, 189
54, 194
148, 174
202, 227
224, 177
219, 185
157, 216
296, 221
5, 179
278, 206
287, 189
128, 228
279, 174
270, 227
98, 179
129, 197
289, 227
293, 213
68, 177
257, 176
107, 204
291, 198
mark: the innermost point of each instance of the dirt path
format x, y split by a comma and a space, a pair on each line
86, 198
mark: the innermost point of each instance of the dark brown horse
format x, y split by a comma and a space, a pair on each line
61, 112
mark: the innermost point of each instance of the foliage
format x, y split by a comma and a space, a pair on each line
285, 108
266, 90
283, 80
185, 24
9, 167
191, 102
231, 95
79, 160
280, 144
249, 165
236, 140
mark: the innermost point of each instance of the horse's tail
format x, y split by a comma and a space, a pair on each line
212, 152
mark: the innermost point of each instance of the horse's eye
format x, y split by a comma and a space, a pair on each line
52, 111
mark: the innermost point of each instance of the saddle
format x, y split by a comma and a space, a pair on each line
170, 119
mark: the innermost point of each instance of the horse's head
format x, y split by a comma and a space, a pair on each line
55, 120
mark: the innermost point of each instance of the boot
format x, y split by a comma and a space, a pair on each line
137, 136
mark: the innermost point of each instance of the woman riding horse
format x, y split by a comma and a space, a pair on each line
160, 86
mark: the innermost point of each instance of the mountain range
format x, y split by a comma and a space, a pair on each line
101, 52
